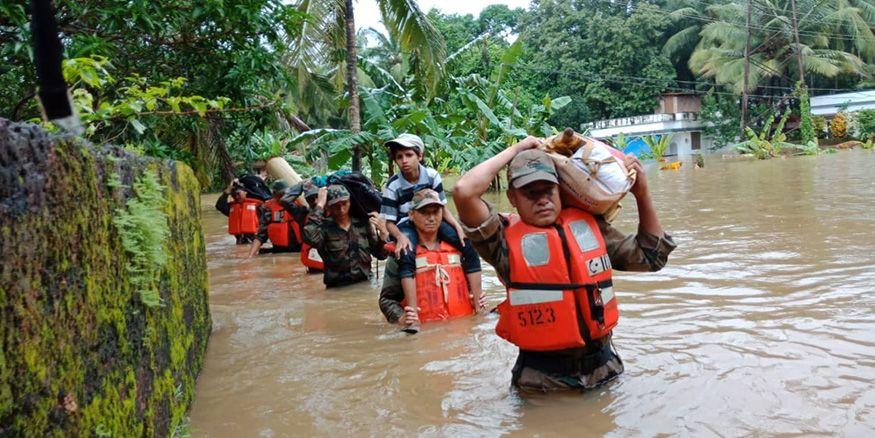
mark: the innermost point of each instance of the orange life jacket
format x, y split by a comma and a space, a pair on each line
441, 287
243, 218
310, 258
282, 227
560, 293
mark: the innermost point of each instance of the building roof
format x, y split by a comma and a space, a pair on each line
830, 104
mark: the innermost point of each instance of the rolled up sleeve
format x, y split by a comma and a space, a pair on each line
488, 240
313, 229
391, 293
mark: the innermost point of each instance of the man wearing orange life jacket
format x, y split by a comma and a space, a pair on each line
439, 288
280, 223
242, 212
557, 265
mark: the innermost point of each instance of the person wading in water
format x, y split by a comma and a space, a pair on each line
344, 242
437, 288
556, 264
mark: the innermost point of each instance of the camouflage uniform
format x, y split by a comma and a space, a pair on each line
346, 253
597, 362
391, 294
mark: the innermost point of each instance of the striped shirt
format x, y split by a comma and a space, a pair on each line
398, 194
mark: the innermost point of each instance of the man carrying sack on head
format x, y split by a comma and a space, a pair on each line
556, 264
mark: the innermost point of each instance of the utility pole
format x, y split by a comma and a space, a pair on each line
744, 96
798, 46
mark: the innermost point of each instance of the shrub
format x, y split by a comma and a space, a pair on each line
866, 123
838, 126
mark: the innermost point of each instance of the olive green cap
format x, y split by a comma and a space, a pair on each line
337, 193
530, 166
424, 198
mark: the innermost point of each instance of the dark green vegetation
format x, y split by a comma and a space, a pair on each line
81, 351
218, 84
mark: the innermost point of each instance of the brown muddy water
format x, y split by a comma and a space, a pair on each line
762, 323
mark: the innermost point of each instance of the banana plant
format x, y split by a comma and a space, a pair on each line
658, 145
767, 143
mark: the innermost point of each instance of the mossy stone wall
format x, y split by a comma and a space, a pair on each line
80, 354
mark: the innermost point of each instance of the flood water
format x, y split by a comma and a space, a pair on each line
763, 322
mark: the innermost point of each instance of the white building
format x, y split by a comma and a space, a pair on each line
678, 114
828, 105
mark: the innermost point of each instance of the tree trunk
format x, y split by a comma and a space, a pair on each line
355, 121
297, 123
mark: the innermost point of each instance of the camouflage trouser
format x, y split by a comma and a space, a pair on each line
528, 378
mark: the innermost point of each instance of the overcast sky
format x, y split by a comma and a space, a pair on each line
367, 14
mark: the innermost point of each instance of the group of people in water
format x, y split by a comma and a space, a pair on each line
556, 262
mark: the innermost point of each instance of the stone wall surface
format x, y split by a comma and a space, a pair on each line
81, 354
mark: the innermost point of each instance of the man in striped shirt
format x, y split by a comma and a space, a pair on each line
407, 152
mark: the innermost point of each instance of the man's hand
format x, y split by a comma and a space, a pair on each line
480, 303
640, 187
231, 185
461, 233
322, 197
410, 316
379, 225
402, 245
527, 143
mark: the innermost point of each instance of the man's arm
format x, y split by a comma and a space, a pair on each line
377, 235
391, 293
647, 219
467, 192
649, 249
261, 236
313, 229
222, 204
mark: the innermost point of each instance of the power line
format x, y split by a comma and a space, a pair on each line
657, 81
770, 11
625, 80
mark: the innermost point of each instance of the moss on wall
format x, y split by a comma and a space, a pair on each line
80, 354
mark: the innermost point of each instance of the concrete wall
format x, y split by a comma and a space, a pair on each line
81, 354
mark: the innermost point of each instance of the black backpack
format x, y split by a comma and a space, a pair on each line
255, 187
365, 198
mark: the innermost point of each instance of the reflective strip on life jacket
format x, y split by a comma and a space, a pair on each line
560, 293
243, 218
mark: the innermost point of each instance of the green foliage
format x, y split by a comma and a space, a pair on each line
819, 124
657, 144
721, 116
143, 228
85, 357
478, 118
806, 127
767, 143
587, 52
135, 99
237, 50
713, 47
620, 141
809, 148
866, 122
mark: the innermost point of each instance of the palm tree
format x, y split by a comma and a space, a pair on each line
331, 41
835, 38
